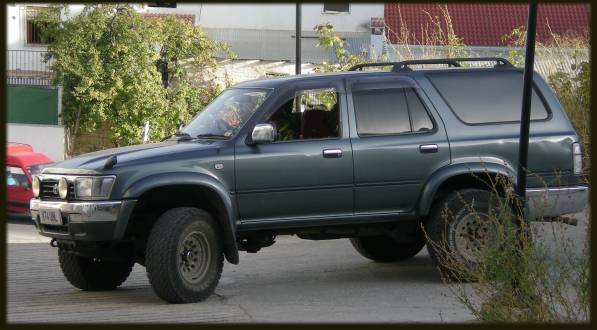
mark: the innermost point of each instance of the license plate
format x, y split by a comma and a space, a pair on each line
50, 217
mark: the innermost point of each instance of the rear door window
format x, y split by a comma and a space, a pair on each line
381, 111
486, 96
390, 111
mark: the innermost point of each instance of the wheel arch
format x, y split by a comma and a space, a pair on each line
464, 174
190, 189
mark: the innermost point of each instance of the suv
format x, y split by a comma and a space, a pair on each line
370, 156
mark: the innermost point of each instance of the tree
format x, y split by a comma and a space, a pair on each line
120, 69
331, 40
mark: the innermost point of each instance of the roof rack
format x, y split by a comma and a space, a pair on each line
451, 62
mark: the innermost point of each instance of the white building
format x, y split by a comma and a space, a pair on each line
262, 36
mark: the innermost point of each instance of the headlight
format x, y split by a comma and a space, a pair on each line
93, 187
63, 188
36, 186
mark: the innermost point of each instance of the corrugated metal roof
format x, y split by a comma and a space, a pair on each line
279, 45
184, 17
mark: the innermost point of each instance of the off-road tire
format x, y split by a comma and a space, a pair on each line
93, 274
386, 249
168, 269
441, 231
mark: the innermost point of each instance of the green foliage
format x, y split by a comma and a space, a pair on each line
109, 60
572, 88
331, 40
519, 277
516, 41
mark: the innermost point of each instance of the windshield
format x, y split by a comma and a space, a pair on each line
225, 115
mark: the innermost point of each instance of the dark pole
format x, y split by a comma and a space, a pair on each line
297, 69
525, 118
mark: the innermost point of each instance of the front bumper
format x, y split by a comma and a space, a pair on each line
553, 202
89, 221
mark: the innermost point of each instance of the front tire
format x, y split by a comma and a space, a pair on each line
184, 256
93, 274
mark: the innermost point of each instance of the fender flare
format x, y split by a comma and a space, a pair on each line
465, 166
228, 225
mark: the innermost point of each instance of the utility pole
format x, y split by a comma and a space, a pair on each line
297, 69
525, 118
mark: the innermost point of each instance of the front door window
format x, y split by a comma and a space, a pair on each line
309, 114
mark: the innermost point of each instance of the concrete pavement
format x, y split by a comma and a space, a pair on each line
293, 281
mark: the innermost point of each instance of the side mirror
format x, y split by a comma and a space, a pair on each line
263, 133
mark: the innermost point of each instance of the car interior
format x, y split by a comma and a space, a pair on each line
306, 116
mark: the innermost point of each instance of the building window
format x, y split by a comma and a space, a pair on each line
35, 30
331, 8
162, 4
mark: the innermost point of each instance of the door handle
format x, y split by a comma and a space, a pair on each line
428, 148
332, 153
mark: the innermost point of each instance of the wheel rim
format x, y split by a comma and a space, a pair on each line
193, 257
471, 235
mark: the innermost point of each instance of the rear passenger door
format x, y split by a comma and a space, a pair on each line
398, 140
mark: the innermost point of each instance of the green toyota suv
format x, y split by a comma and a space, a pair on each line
373, 156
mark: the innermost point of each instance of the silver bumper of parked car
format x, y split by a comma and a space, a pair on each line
553, 202
101, 211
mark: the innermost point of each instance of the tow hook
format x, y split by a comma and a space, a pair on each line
54, 243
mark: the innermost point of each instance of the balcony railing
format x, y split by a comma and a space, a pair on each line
27, 67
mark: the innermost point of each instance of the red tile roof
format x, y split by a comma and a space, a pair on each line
485, 24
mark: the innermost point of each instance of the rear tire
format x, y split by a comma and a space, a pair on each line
93, 274
459, 227
386, 249
184, 255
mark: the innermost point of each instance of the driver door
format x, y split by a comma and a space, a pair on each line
307, 171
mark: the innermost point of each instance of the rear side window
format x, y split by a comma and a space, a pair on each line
419, 116
390, 111
486, 97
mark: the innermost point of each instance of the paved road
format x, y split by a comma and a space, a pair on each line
293, 281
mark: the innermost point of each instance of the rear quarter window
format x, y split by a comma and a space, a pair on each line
486, 97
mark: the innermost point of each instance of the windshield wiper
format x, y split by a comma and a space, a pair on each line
212, 136
183, 136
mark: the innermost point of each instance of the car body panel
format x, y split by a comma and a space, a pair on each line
21, 156
390, 169
290, 179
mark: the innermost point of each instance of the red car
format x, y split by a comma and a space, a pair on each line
21, 164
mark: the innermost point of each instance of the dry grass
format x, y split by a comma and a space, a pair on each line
517, 278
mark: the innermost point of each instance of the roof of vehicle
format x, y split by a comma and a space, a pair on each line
26, 158
278, 82
14, 147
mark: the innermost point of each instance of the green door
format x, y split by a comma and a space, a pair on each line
32, 105
307, 171
398, 142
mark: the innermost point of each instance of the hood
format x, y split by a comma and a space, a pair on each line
93, 163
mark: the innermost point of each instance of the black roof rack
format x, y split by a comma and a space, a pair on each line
451, 62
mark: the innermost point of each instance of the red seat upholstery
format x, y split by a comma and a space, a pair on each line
314, 125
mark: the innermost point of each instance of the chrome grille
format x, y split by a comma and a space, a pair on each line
48, 191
